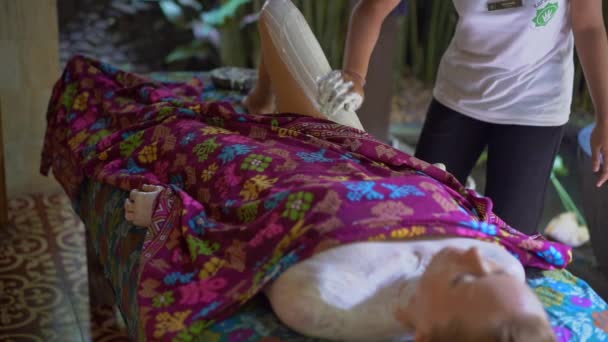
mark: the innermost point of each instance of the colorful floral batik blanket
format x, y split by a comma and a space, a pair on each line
575, 310
246, 196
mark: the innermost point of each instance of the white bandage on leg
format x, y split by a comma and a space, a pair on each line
304, 57
335, 94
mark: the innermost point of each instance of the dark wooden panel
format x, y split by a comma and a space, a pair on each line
3, 199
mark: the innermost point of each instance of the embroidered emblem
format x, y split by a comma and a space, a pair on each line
545, 14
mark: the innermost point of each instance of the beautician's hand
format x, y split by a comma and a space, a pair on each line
338, 90
599, 151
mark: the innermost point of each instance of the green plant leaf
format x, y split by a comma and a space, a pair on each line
566, 200
219, 15
559, 168
483, 158
191, 3
172, 11
195, 49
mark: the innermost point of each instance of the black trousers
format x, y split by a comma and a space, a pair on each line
520, 159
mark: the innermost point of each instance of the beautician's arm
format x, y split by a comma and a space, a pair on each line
364, 28
592, 48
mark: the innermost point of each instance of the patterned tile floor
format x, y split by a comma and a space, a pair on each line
43, 277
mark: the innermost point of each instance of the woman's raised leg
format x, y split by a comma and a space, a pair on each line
290, 95
294, 62
260, 98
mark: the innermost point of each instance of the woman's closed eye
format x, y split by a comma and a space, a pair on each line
462, 278
469, 277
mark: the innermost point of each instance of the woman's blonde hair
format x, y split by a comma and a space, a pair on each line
523, 328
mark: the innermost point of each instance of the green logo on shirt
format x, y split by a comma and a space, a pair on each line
545, 14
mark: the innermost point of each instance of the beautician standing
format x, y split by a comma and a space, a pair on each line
505, 83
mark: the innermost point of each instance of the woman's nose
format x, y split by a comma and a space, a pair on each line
479, 266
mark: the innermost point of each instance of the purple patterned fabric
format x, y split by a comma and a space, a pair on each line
247, 196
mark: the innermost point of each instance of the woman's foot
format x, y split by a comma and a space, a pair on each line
140, 205
440, 166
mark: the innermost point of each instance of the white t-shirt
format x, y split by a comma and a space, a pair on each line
512, 65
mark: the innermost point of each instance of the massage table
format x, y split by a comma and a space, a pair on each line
114, 248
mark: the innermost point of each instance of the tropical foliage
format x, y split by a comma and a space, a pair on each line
225, 30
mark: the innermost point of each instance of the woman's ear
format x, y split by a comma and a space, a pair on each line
421, 336
406, 315
402, 315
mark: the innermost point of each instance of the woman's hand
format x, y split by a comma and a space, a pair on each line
339, 91
599, 151
592, 48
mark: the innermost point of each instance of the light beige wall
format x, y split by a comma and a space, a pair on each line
29, 65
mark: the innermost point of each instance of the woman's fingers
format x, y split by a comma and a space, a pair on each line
595, 157
151, 188
348, 101
130, 217
604, 168
337, 98
353, 102
129, 210
133, 194
326, 84
148, 188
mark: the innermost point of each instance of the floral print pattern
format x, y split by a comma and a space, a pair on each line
297, 205
256, 162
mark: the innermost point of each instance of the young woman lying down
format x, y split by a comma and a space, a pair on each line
349, 238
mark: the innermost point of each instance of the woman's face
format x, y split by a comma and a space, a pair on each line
461, 285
